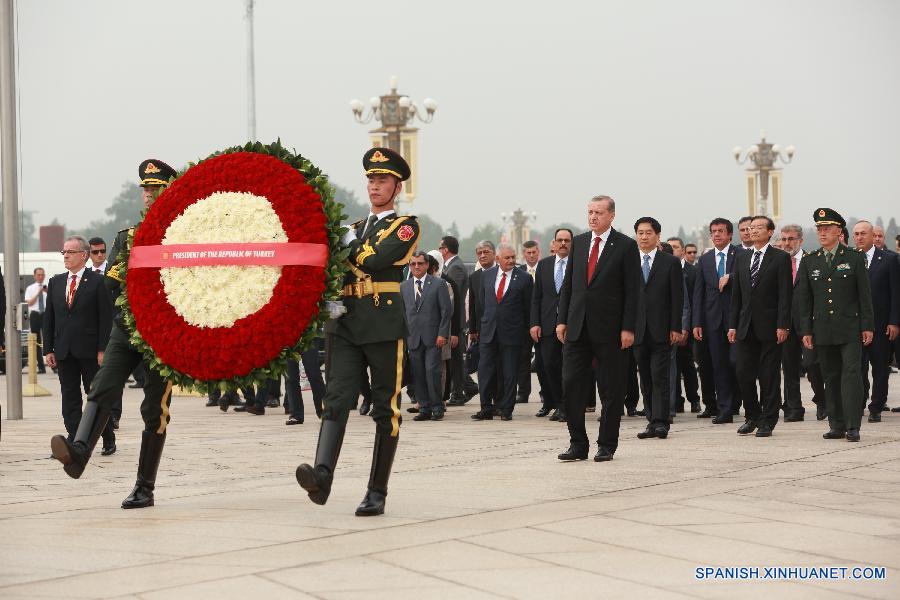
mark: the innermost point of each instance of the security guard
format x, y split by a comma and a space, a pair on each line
833, 303
119, 360
370, 334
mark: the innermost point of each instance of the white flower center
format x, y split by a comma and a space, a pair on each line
219, 296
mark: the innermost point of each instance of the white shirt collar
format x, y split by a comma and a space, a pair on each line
559, 259
78, 275
762, 250
381, 215
724, 249
651, 254
870, 255
603, 235
422, 279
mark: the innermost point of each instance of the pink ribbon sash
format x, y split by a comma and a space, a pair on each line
241, 254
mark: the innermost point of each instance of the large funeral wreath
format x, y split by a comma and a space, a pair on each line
230, 267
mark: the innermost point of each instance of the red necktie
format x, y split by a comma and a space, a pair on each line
71, 295
793, 269
592, 259
500, 289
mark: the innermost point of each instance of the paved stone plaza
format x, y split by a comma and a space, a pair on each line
476, 510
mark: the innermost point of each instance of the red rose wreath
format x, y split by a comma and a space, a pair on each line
234, 188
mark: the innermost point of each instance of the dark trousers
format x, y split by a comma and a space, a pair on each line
760, 360
687, 373
269, 389
346, 371
721, 355
793, 356
498, 362
425, 364
705, 373
878, 353
75, 373
843, 384
653, 367
119, 360
551, 357
578, 383
455, 372
36, 322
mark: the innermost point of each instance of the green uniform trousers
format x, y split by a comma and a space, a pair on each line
840, 365
346, 368
119, 360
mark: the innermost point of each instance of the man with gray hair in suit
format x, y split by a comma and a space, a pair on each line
428, 311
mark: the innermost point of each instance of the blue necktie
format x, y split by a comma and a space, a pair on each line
721, 268
646, 267
560, 273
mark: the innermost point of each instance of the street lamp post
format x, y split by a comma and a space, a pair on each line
519, 232
763, 156
396, 113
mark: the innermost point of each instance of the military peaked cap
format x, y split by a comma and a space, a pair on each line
155, 172
385, 160
828, 216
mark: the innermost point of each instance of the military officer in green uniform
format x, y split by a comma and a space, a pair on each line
834, 305
371, 334
119, 360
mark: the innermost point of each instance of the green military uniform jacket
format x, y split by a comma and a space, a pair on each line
834, 304
114, 279
381, 254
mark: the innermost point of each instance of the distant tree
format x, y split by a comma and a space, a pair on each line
355, 209
430, 233
123, 213
28, 242
485, 231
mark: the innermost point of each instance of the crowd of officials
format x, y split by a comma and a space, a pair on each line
711, 334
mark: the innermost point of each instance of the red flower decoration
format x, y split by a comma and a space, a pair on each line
253, 342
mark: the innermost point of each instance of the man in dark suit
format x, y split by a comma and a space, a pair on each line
531, 252
76, 327
426, 303
548, 281
598, 306
486, 255
455, 271
793, 355
686, 369
506, 300
711, 308
659, 322
884, 281
759, 323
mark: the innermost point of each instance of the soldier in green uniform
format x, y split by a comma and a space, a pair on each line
370, 334
834, 305
119, 360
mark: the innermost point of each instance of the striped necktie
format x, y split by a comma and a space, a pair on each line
754, 268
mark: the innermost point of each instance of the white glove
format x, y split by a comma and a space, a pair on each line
348, 237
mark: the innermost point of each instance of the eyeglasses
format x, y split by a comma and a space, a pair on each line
71, 252
100, 251
789, 239
690, 252
559, 241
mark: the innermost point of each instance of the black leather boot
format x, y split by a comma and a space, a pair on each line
148, 464
74, 455
382, 461
316, 480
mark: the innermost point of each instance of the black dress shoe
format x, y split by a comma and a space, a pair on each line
437, 417
506, 416
793, 418
273, 403
107, 450
630, 412
895, 409
521, 399
706, 415
482, 415
573, 453
136, 386
562, 417
543, 412
747, 427
640, 413
764, 431
647, 433
372, 504
833, 434
875, 417
695, 407
238, 408
602, 455
412, 409
720, 420
293, 421
364, 408
588, 409
253, 410
422, 417
212, 402
821, 413
554, 416
662, 433
853, 435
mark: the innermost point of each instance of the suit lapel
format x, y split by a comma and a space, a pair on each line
767, 259
653, 269
607, 249
81, 284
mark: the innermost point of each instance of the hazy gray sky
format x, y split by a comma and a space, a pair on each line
541, 104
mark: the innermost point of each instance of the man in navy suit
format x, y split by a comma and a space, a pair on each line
76, 326
548, 280
711, 310
505, 293
884, 279
598, 305
428, 310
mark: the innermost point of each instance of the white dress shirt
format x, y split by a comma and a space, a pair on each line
651, 254
762, 255
78, 277
870, 255
509, 275
102, 267
603, 235
31, 292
